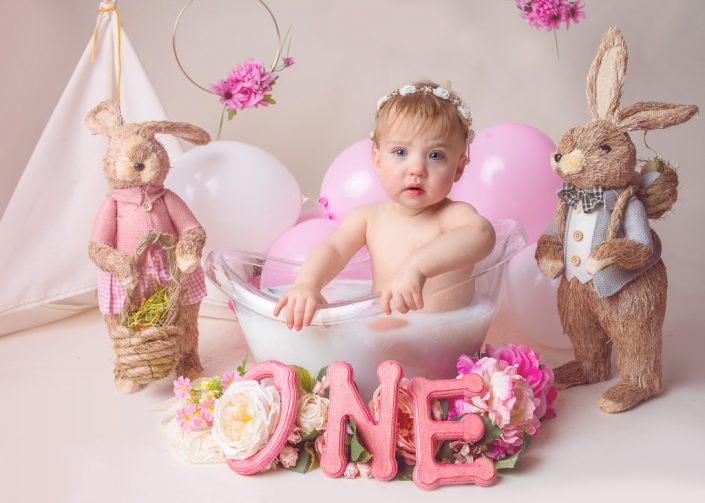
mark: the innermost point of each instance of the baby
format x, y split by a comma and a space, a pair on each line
420, 242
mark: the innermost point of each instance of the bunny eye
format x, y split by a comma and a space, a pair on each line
606, 148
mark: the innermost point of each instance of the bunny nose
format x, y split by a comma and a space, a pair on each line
139, 166
557, 157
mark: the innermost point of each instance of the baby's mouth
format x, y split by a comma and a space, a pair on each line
414, 189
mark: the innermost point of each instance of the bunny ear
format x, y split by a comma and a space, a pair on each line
606, 76
104, 118
648, 115
183, 130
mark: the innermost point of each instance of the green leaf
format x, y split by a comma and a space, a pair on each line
358, 452
242, 369
268, 98
321, 374
404, 472
310, 436
304, 378
445, 452
308, 459
231, 113
444, 406
491, 431
510, 463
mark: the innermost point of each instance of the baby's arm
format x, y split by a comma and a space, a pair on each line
466, 238
321, 266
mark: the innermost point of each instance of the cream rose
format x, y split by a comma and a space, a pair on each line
311, 412
245, 417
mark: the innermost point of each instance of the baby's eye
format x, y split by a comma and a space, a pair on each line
400, 152
436, 156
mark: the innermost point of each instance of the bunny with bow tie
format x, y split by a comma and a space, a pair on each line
612, 293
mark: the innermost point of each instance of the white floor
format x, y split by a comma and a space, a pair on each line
66, 435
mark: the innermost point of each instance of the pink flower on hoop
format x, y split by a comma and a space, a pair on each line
249, 85
550, 14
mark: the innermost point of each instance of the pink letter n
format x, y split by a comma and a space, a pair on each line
380, 437
429, 433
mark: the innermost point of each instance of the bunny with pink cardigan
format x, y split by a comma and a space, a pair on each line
136, 165
612, 294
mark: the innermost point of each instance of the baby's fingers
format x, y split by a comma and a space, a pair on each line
385, 300
280, 304
299, 313
309, 312
400, 303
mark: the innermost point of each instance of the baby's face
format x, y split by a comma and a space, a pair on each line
418, 169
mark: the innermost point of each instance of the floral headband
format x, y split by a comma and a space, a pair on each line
439, 92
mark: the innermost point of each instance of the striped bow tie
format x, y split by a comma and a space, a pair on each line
590, 198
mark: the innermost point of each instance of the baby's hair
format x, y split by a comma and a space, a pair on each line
425, 109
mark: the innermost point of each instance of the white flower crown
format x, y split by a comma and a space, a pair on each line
439, 92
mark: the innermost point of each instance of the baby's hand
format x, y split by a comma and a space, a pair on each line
405, 291
301, 302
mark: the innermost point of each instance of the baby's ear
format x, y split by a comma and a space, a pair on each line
183, 130
104, 118
375, 157
648, 115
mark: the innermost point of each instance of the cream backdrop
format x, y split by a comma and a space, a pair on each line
349, 53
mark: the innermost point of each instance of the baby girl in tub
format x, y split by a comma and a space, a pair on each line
419, 241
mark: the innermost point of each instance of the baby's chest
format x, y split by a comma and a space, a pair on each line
391, 242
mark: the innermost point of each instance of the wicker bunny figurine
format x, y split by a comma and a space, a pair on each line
612, 294
145, 236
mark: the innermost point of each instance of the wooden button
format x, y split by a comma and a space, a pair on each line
575, 260
578, 235
147, 206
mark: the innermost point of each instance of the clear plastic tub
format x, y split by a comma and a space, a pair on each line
353, 327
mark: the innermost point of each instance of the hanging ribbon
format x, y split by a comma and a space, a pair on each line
106, 7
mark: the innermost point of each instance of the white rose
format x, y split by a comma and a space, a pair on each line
441, 93
464, 110
408, 89
311, 412
382, 101
245, 417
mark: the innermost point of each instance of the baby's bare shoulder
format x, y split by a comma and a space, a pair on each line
459, 213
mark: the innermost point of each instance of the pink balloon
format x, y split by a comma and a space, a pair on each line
351, 181
531, 300
295, 245
510, 176
316, 212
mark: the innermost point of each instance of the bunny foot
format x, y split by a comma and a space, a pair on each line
570, 374
125, 386
623, 396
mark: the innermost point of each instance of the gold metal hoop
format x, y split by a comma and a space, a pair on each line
181, 67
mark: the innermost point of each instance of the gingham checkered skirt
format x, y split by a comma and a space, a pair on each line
112, 293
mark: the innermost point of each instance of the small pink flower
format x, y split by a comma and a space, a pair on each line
572, 11
351, 471
184, 417
227, 379
288, 61
206, 407
365, 470
288, 456
295, 435
182, 386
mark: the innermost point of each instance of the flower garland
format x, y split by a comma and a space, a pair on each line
233, 419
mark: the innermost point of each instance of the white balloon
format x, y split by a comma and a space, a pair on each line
531, 300
243, 196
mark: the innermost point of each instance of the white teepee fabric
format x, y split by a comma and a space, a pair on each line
44, 232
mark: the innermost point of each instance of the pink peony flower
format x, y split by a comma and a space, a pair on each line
406, 446
182, 386
537, 375
509, 403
